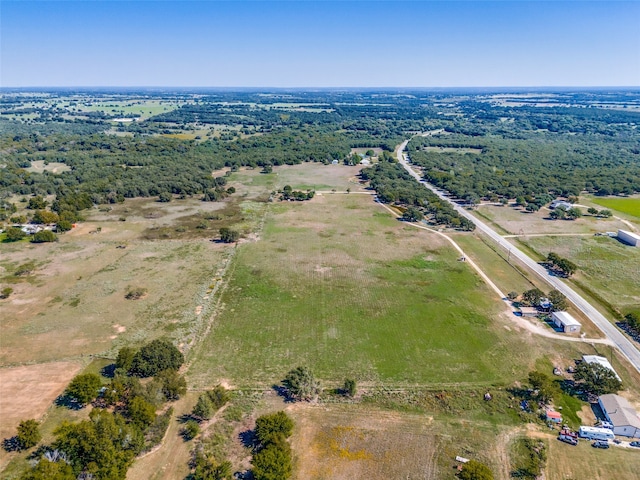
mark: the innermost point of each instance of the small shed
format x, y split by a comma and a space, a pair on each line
553, 416
529, 311
566, 322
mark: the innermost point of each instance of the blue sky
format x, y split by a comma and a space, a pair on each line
319, 43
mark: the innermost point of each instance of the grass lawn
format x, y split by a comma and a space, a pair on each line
628, 205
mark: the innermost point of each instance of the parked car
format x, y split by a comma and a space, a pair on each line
635, 444
568, 439
600, 444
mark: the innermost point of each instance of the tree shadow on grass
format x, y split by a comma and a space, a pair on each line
68, 402
284, 393
11, 444
249, 439
108, 371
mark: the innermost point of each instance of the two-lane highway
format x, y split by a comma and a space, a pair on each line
622, 343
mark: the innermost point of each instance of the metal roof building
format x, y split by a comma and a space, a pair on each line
629, 238
566, 322
621, 414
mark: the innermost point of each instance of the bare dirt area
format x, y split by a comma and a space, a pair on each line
28, 391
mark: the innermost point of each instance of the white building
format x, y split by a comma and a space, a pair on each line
561, 204
566, 322
602, 361
621, 415
629, 238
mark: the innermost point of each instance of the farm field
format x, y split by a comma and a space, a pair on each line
605, 266
628, 205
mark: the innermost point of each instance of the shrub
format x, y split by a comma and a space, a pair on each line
84, 387
191, 430
270, 427
135, 293
301, 384
44, 236
28, 434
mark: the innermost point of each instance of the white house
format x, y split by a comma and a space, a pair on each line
561, 204
566, 322
602, 361
620, 414
629, 238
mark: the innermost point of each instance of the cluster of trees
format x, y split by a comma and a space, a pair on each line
545, 388
561, 213
633, 322
561, 265
596, 379
532, 457
288, 193
599, 213
123, 423
533, 297
272, 460
393, 184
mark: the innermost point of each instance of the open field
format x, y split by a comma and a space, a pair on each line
605, 266
69, 296
143, 108
628, 205
339, 285
36, 385
517, 221
54, 167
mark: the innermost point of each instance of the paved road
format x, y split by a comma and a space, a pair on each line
622, 343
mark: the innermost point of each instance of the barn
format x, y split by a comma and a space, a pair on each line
629, 238
566, 322
620, 414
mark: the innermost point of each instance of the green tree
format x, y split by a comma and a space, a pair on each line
155, 357
28, 434
44, 217
63, 226
84, 387
513, 295
46, 470
474, 470
203, 408
165, 197
558, 300
301, 384
597, 379
173, 384
37, 203
605, 213
124, 360
412, 214
633, 320
573, 213
592, 211
190, 430
533, 296
13, 234
273, 462
228, 235
350, 387
44, 236
141, 412
547, 389
269, 428
208, 469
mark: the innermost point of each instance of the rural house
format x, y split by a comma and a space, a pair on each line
620, 414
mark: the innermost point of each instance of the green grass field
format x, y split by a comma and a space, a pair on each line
605, 266
340, 286
630, 206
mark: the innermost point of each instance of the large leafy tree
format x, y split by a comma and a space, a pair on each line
270, 427
84, 387
155, 357
301, 384
28, 434
597, 379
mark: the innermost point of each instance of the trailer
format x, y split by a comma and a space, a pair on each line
596, 433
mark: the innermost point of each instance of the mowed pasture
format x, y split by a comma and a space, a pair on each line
340, 285
606, 266
628, 205
517, 221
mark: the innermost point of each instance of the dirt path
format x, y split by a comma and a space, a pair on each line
519, 321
